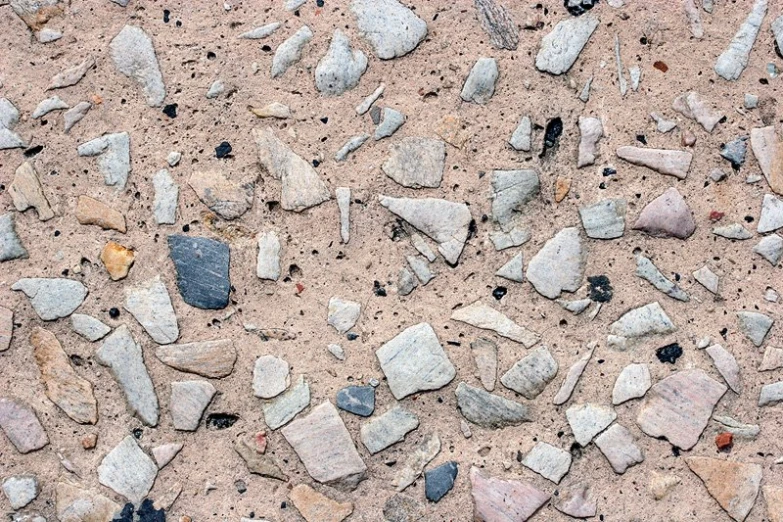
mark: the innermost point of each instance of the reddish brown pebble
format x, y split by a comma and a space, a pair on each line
724, 440
260, 440
716, 216
90, 441
661, 66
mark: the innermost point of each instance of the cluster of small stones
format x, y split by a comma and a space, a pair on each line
413, 361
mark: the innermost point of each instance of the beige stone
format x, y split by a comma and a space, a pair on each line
497, 500
773, 496
315, 507
75, 504
769, 153
451, 129
90, 211
734, 485
117, 259
6, 328
661, 484
224, 197
562, 187
26, 192
256, 460
214, 359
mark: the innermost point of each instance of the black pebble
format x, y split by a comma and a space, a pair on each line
166, 14
580, 8
325, 120
499, 292
170, 110
145, 513
641, 139
114, 313
316, 163
378, 289
554, 128
241, 486
223, 150
669, 353
600, 289
221, 421
138, 432
266, 48
609, 171
375, 115
186, 228
320, 3
351, 336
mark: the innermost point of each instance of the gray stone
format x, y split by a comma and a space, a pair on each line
772, 360
337, 351
286, 406
693, 16
134, 56
498, 24
649, 319
632, 383
72, 75
27, 192
565, 251
727, 366
767, 149
343, 196
388, 429
707, 278
359, 400
577, 499
771, 295
53, 298
751, 102
515, 237
548, 461
416, 461
734, 59
75, 504
584, 94
575, 307
771, 394
735, 151
588, 420
216, 89
9, 117
341, 68
561, 47
392, 120
414, 361
530, 375
672, 162
165, 453
406, 282
47, 35
661, 124
289, 52
513, 270
6, 328
188, 401
667, 215
416, 162
650, 273
173, 158
635, 72
401, 508
520, 138
392, 29
771, 217
10, 245
439, 481
619, 447
488, 410
214, 359
75, 115
369, 100
202, 270
270, 376
164, 206
485, 353
737, 428
20, 490
21, 425
421, 245
574, 373
149, 303
421, 267
343, 314
732, 231
48, 105
512, 190
268, 261
128, 470
499, 500
605, 219
717, 175
113, 151
258, 33
621, 82
480, 83
755, 326
694, 107
226, 198
350, 146
591, 130
487, 318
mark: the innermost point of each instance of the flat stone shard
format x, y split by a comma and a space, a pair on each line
480, 83
406, 282
370, 99
530, 375
6, 328
10, 245
771, 394
561, 47
113, 152
679, 407
565, 251
727, 366
671, 162
440, 480
75, 504
487, 318
755, 326
53, 298
272, 110
9, 117
548, 461
485, 353
271, 376
497, 500
421, 267
574, 373
416, 461
261, 32
667, 215
128, 470
732, 231
341, 68
117, 260
770, 248
512, 191
188, 401
649, 319
359, 400
256, 460
268, 261
326, 449
576, 500
350, 146
734, 59
446, 222
737, 428
286, 406
588, 420
707, 278
694, 107
496, 21
391, 122
650, 273
343, 196
520, 138
605, 219
490, 411
49, 105
768, 151
772, 360
72, 75
213, 359
64, 387
414, 361
771, 217
343, 314
315, 507
693, 16
392, 29
134, 56
202, 270
289, 52
222, 196
164, 206
388, 428
123, 356
165, 453
591, 130
734, 485
619, 447
632, 383
416, 162
90, 211
26, 192
302, 187
513, 270
20, 490
149, 303
21, 425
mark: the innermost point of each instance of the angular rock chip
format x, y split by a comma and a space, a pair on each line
113, 151
401, 508
421, 267
315, 507
149, 303
289, 52
574, 373
20, 490
588, 420
75, 115
416, 162
117, 259
369, 100
755, 326
727, 366
392, 121
10, 246
90, 211
591, 130
771, 394
667, 215
770, 248
392, 29
732, 231
693, 107
286, 406
576, 500
134, 56
202, 271
64, 387
737, 428
417, 461
271, 377
707, 278
128, 470
351, 146
165, 453
75, 504
447, 223
213, 359
693, 15
388, 428
632, 383
734, 59
498, 24
520, 138
561, 47
605, 219
53, 298
326, 449
414, 361
255, 459
440, 480
530, 375
359, 400
771, 217
672, 162
767, 148
343, 195
548, 461
164, 207
734, 485
9, 117
679, 407
123, 356
21, 425
343, 314
26, 192
71, 76
6, 328
513, 270
268, 261
772, 360
341, 68
222, 196
263, 31
188, 401
480, 83
49, 105
485, 353
453, 130
512, 190
618, 446
497, 500
272, 110
564, 251
489, 410
646, 320
487, 318
650, 273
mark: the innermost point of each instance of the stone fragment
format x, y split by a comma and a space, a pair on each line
679, 407
224, 197
732, 231
388, 429
513, 270
635, 72
770, 248
324, 446
771, 217
497, 500
72, 75
302, 188
36, 13
134, 56
202, 270
416, 162
261, 32
406, 282
337, 351
26, 192
215, 90
188, 401
663, 125
47, 35
123, 356
401, 508
48, 105
9, 117
707, 278
755, 326
727, 366
6, 328
645, 320
772, 360
575, 500
588, 420
165, 453
490, 411
286, 406
516, 236
343, 314
530, 375
565, 251
605, 219
315, 507
150, 305
343, 196
341, 68
256, 461
423, 248
350, 146
487, 318
480, 83
128, 470
421, 267
591, 130
20, 490
548, 461
496, 21
520, 138
21, 425
584, 94
289, 52
574, 373
694, 107
512, 190
270, 377
575, 307
117, 260
771, 394
10, 245
268, 261
392, 29
452, 129
773, 495
446, 222
164, 206
53, 298
75, 504
391, 122
734, 485
113, 151
735, 151
90, 211
562, 187
561, 47
272, 110
667, 215
632, 383
650, 273
672, 162
369, 100
213, 359
359, 400
734, 59
439, 481
621, 82
618, 446
485, 354
660, 485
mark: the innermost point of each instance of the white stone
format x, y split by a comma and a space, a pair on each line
755, 326
337, 351
343, 196
591, 130
645, 320
75, 115
520, 138
134, 56
216, 89
572, 378
128, 470
188, 401
621, 82
268, 262
270, 376
772, 360
771, 214
164, 206
771, 394
391, 121
350, 146
588, 420
388, 428
649, 272
113, 152
694, 107
289, 52
513, 270
561, 47
530, 375
48, 105
707, 278
416, 162
548, 461
286, 406
480, 83
421, 267
423, 248
727, 366
20, 490
618, 446
632, 383
672, 162
341, 68
89, 327
564, 251
369, 100
52, 298
734, 59
150, 304
343, 314
732, 231
392, 29
605, 219
165, 453
258, 33
487, 318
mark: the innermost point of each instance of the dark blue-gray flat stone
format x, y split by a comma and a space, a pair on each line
359, 400
202, 271
439, 481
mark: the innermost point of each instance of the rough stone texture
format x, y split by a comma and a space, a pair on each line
480, 83
773, 359
350, 146
618, 446
48, 105
771, 394
732, 231
75, 504
20, 490
123, 356
672, 162
498, 24
87, 326
359, 400
520, 138
727, 366
679, 407
576, 500
343, 314
324, 446
128, 470
75, 115
770, 248
315, 507
498, 500
202, 270
649, 272
512, 191
268, 261
487, 318
52, 298
21, 425
6, 328
771, 217
341, 68
574, 373
369, 100
768, 151
667, 216
565, 251
421, 267
692, 106
26, 192
72, 75
149, 303
588, 420
416, 162
261, 32
90, 211
488, 410
548, 461
113, 152
755, 326
117, 260
134, 56
188, 401
416, 461
632, 383
649, 319
513, 270
10, 245
440, 480
271, 377
214, 359
591, 130
707, 278
256, 459
343, 196
561, 47
734, 59
392, 29
388, 428
286, 406
401, 508
530, 375
165, 453
734, 485
272, 110
485, 353
605, 219
391, 122
224, 197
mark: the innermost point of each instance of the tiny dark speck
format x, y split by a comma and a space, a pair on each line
186, 228
499, 292
114, 313
211, 55
316, 163
170, 110
223, 150
319, 3
641, 139
166, 14
266, 48
325, 119
378, 289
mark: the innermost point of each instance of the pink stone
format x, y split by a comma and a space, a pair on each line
498, 500
21, 426
667, 216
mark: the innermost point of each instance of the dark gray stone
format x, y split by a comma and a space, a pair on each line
359, 400
202, 271
439, 481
